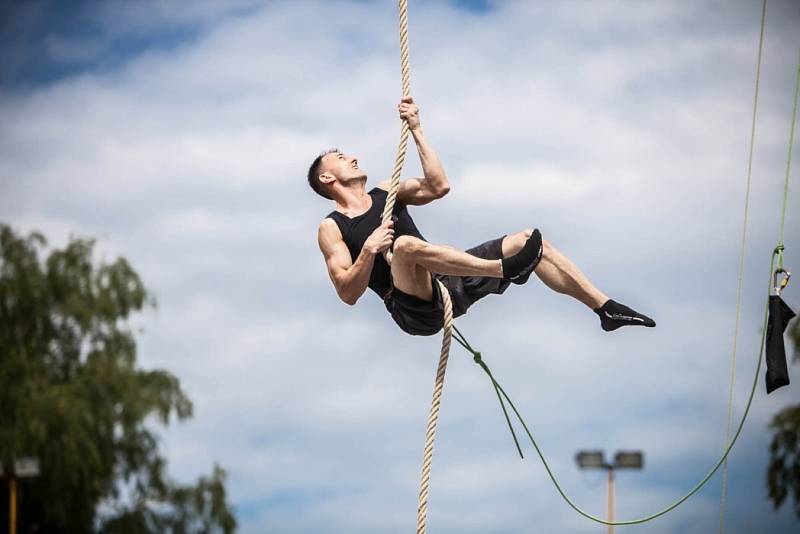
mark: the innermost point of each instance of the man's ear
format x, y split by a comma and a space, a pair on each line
326, 178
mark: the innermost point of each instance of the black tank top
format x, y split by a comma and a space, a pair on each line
355, 232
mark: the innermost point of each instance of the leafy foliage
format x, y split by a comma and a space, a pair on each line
72, 396
190, 509
783, 473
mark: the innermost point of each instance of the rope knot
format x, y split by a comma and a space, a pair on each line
778, 249
477, 357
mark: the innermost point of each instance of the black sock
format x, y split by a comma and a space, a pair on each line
613, 315
519, 267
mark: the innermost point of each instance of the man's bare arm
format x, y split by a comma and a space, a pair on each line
434, 185
351, 278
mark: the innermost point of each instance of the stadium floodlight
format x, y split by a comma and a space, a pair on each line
628, 460
26, 467
591, 460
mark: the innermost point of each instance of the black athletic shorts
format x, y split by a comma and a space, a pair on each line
422, 318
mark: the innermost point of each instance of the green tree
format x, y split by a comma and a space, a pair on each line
71, 395
783, 472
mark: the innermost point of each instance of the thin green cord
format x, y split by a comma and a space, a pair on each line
677, 503
476, 356
777, 253
788, 163
740, 275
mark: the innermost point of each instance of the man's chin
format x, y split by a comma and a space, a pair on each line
354, 179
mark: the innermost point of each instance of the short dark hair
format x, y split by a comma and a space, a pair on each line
313, 173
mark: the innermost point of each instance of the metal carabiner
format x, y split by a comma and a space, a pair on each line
779, 286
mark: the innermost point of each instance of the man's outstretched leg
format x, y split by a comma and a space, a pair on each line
414, 260
561, 275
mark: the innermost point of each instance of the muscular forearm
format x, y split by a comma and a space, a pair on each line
431, 166
355, 278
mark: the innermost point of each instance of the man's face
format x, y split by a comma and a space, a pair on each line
343, 167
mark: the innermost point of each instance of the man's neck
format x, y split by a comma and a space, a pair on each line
353, 199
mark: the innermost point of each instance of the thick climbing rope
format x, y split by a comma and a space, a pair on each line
430, 433
740, 276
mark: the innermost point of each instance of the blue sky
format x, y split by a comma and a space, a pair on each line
179, 136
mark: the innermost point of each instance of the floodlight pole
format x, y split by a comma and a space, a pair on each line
12, 505
610, 469
622, 460
27, 467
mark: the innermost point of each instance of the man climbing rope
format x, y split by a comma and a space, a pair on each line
352, 239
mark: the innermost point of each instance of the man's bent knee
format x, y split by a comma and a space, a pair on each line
513, 243
408, 246
547, 248
407, 274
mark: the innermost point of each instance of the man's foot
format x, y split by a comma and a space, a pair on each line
519, 267
613, 315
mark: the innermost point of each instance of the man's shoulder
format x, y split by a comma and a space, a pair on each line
329, 233
328, 224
